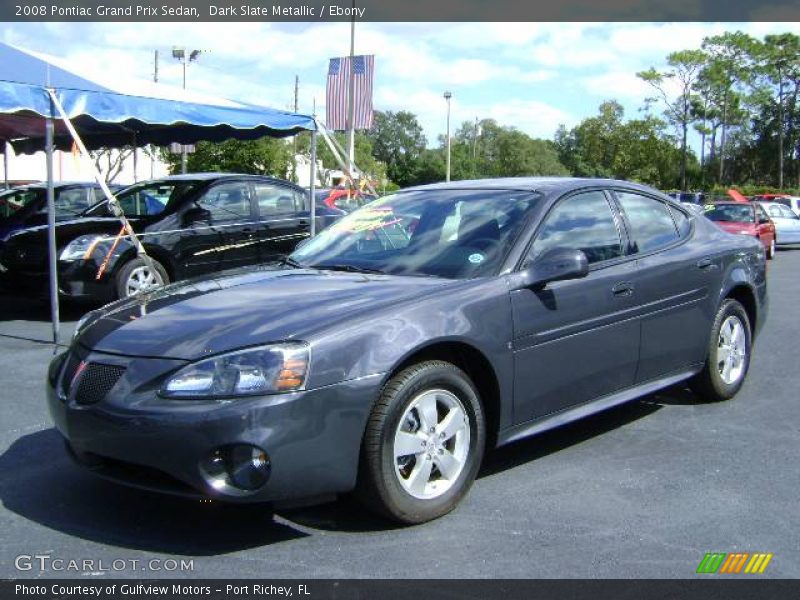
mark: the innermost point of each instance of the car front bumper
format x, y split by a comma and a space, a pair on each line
135, 437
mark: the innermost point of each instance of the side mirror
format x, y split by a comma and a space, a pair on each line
196, 215
557, 264
763, 220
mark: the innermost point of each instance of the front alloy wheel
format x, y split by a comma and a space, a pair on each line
431, 444
423, 443
138, 276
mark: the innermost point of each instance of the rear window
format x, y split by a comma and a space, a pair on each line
733, 213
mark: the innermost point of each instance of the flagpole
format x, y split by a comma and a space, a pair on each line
351, 105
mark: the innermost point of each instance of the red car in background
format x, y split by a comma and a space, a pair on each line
746, 219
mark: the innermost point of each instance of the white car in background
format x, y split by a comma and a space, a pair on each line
787, 223
793, 202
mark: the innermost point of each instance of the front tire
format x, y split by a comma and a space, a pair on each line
423, 444
729, 349
137, 276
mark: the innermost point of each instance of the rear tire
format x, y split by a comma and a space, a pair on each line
423, 444
136, 276
728, 359
771, 250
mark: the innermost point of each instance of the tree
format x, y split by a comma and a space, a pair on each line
727, 65
398, 142
684, 69
778, 63
265, 156
110, 161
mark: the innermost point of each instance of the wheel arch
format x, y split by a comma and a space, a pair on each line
744, 294
473, 362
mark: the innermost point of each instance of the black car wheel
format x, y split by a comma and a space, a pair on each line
729, 350
423, 444
138, 276
771, 250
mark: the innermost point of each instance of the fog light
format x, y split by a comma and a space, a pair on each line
240, 466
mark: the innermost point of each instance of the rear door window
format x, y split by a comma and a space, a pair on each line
228, 202
273, 200
650, 222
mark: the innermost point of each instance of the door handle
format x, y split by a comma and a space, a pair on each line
706, 264
623, 289
302, 224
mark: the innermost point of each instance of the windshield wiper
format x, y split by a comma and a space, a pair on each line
289, 261
347, 269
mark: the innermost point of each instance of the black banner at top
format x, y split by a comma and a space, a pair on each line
399, 10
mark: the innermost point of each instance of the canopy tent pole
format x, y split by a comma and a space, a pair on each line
113, 203
51, 227
135, 160
313, 183
338, 154
5, 165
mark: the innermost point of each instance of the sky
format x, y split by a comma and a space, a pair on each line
533, 76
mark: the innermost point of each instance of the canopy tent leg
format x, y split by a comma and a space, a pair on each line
51, 228
5, 166
313, 183
135, 160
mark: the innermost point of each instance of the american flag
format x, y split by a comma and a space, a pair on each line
339, 89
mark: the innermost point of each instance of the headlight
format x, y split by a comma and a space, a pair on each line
81, 248
262, 370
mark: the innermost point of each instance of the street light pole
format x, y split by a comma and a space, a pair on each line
180, 53
447, 96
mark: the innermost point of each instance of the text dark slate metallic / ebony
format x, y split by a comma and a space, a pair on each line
384, 355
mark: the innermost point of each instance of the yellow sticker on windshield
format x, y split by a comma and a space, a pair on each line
366, 220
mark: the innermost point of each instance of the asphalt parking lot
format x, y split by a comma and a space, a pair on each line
644, 490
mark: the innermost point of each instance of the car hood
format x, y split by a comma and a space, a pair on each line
66, 231
203, 317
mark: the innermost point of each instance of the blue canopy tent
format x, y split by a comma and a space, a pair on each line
41, 100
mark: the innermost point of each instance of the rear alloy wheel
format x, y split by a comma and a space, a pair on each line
138, 276
771, 250
728, 354
423, 444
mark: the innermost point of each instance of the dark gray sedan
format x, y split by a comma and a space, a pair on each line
388, 352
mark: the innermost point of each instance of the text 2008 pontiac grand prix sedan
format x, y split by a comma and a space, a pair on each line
385, 354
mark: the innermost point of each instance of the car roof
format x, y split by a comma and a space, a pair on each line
56, 185
533, 184
208, 176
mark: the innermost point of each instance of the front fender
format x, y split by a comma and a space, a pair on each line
476, 314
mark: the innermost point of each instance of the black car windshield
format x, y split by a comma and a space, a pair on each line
146, 199
455, 234
15, 200
736, 213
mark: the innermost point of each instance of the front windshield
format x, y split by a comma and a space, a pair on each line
146, 199
736, 213
454, 234
14, 200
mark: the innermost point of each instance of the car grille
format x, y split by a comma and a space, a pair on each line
96, 381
